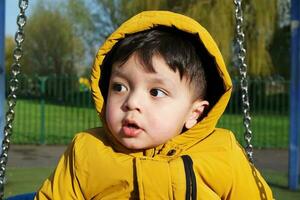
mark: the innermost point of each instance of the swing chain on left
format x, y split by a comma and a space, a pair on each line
13, 86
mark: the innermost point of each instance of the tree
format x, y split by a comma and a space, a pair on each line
51, 45
261, 16
83, 25
9, 48
217, 16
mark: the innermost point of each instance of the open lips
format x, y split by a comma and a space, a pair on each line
130, 128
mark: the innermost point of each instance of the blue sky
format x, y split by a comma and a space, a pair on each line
11, 12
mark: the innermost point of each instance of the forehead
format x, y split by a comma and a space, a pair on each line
158, 68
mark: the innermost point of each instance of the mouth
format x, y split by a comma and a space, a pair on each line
130, 128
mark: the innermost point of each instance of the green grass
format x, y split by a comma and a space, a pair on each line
24, 180
269, 131
279, 184
63, 121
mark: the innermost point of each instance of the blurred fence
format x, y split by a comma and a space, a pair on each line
50, 110
269, 107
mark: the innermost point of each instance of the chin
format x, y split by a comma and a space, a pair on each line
133, 146
136, 145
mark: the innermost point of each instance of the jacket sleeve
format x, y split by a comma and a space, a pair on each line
63, 183
247, 182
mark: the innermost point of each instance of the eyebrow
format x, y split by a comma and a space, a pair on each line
118, 73
162, 81
159, 80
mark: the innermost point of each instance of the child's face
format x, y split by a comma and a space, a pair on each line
146, 109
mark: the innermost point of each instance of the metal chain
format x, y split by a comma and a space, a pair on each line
284, 13
13, 88
240, 39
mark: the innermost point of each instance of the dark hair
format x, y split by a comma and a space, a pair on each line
180, 50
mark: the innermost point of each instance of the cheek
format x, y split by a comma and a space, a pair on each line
174, 115
167, 118
111, 113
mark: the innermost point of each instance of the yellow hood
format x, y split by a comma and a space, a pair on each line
149, 19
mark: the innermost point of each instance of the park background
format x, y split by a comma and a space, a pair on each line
62, 38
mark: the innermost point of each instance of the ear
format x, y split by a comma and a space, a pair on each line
197, 109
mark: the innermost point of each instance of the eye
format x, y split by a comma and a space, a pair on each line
118, 87
157, 92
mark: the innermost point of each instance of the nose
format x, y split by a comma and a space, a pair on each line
133, 102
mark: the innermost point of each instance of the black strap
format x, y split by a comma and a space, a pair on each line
191, 184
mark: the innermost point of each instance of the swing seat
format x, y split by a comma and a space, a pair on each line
26, 196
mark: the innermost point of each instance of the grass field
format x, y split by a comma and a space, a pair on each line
24, 180
279, 184
61, 122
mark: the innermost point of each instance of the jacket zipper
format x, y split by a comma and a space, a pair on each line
191, 185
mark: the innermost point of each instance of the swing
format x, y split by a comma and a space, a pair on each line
14, 85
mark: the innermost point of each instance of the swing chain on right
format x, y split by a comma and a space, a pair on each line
240, 39
13, 86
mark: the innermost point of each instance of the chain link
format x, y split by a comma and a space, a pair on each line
13, 88
240, 39
284, 13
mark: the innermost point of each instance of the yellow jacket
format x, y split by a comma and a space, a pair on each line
204, 163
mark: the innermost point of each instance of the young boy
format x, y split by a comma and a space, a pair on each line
162, 89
